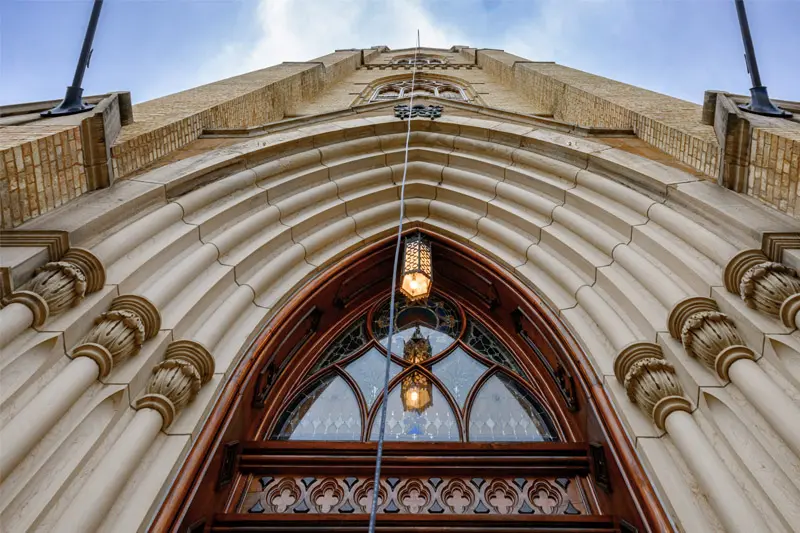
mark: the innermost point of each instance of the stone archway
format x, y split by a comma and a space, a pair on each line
210, 489
198, 255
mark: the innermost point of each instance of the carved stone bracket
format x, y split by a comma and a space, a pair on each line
176, 380
120, 332
650, 381
764, 285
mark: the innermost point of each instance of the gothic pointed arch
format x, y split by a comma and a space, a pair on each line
501, 434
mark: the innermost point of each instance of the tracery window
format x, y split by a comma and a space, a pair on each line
420, 59
422, 87
451, 379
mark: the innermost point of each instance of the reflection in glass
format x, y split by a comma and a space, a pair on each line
505, 412
368, 371
436, 423
485, 343
437, 319
349, 342
459, 372
328, 411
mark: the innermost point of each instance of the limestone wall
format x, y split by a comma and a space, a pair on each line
667, 123
168, 123
203, 252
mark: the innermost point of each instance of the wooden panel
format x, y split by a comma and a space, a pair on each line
430, 523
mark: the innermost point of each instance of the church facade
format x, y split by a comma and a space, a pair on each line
196, 305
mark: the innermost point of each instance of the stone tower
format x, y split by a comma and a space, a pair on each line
176, 272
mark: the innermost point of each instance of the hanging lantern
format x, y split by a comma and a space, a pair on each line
417, 268
416, 389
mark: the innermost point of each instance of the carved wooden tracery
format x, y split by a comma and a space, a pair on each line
290, 485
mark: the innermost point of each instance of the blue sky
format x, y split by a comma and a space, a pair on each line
156, 47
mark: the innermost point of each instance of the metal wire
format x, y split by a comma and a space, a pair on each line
373, 513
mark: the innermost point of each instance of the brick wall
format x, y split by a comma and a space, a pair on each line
670, 124
163, 125
41, 167
774, 170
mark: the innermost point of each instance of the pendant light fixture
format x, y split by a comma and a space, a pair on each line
417, 275
416, 389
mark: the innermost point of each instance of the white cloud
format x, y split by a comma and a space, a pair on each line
300, 30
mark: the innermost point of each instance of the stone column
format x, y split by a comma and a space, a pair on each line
651, 383
55, 287
27, 428
712, 338
172, 386
21, 310
117, 335
769, 287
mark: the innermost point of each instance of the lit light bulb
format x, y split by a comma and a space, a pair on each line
413, 284
414, 396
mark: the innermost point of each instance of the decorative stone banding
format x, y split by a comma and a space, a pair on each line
34, 302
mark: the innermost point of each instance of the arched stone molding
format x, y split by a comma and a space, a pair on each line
750, 441
764, 285
546, 205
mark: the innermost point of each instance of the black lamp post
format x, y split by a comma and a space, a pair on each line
73, 101
759, 99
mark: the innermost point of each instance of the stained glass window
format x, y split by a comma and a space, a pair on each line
435, 424
503, 412
348, 343
437, 319
329, 411
369, 371
459, 372
485, 343
421, 407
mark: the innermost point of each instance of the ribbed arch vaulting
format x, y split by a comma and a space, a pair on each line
583, 225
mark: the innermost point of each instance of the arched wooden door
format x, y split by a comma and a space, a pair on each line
494, 423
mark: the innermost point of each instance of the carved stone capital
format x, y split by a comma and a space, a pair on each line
651, 384
90, 265
65, 283
738, 265
120, 333
141, 307
631, 354
685, 309
765, 286
705, 335
175, 380
195, 354
61, 284
32, 301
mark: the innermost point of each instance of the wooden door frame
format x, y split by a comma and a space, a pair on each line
216, 449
